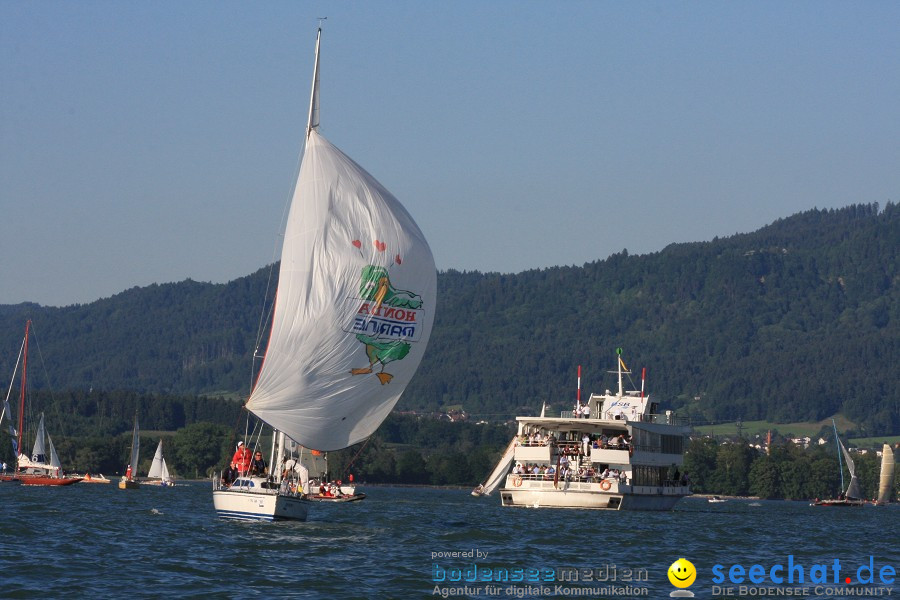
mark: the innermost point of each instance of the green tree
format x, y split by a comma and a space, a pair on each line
764, 478
733, 462
411, 467
201, 448
700, 464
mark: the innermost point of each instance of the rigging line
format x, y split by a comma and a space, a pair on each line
12, 381
268, 308
350, 464
59, 418
266, 315
237, 423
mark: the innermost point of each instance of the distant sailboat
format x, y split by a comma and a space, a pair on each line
129, 481
159, 472
43, 466
322, 487
353, 314
886, 483
852, 496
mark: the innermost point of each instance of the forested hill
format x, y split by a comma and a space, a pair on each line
799, 320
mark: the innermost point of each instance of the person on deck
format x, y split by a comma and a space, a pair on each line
229, 475
241, 459
258, 466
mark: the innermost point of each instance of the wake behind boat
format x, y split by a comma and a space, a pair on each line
354, 311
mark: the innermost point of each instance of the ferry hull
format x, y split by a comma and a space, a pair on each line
587, 500
245, 505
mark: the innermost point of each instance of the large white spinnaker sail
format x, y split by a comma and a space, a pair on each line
886, 482
354, 307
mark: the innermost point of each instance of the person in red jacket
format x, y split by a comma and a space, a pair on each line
241, 459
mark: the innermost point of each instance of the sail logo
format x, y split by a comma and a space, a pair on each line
388, 322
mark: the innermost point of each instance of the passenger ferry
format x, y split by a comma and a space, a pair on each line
618, 453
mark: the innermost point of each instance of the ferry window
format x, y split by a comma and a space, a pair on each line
647, 475
672, 444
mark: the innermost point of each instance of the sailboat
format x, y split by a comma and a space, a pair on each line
43, 466
353, 313
886, 482
322, 487
159, 472
852, 496
128, 481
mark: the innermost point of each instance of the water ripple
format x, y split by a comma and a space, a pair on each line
100, 542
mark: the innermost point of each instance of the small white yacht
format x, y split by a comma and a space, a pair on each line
620, 454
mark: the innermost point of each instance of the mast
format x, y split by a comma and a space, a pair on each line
620, 365
22, 392
313, 121
578, 393
837, 443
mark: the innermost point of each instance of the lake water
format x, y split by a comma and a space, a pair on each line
96, 541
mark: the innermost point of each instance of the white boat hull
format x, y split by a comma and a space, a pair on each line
606, 495
587, 500
251, 505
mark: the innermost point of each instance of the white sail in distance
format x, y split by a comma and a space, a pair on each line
38, 452
158, 467
853, 488
886, 481
56, 466
135, 448
354, 307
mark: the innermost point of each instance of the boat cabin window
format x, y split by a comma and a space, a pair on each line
243, 483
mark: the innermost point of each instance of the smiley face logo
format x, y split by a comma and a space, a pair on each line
682, 573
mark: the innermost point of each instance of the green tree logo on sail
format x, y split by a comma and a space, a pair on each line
387, 320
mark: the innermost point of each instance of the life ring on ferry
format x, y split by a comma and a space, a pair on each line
605, 485
517, 480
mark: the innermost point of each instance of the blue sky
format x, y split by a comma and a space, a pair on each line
149, 142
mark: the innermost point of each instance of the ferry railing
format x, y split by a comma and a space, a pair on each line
668, 418
594, 477
647, 448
